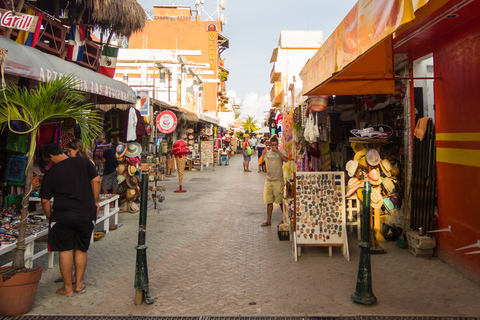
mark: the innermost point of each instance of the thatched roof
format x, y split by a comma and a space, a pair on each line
125, 16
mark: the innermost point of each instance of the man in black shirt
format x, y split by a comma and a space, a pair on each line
75, 186
109, 181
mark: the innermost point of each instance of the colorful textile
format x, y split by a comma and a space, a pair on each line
325, 151
30, 38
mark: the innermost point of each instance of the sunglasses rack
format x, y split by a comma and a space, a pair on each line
158, 174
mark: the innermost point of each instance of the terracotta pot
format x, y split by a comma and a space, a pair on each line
18, 293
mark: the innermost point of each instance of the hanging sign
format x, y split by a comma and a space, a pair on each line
166, 122
18, 21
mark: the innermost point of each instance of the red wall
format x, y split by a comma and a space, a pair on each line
457, 110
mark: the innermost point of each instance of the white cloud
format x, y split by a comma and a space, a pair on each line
255, 106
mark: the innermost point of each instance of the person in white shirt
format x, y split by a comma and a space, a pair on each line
223, 153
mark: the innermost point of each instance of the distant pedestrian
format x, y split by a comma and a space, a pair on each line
75, 149
261, 161
223, 153
75, 185
246, 157
109, 181
253, 142
273, 191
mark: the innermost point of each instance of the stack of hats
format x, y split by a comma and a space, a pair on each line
367, 163
128, 156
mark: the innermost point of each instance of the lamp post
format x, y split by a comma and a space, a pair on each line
141, 271
363, 293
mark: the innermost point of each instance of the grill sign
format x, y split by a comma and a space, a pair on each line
24, 22
166, 122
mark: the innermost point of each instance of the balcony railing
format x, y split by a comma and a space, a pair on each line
276, 94
53, 39
275, 75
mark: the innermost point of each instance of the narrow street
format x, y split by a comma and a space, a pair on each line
208, 256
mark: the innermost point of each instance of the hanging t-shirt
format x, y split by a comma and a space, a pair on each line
132, 125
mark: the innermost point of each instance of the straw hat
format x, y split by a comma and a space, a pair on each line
357, 146
360, 157
374, 176
120, 151
131, 194
134, 161
373, 157
351, 167
120, 168
353, 185
132, 182
131, 170
133, 149
360, 194
120, 178
386, 167
376, 199
388, 185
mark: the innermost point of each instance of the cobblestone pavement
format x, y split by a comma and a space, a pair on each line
208, 256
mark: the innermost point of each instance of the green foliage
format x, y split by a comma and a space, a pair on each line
250, 124
223, 75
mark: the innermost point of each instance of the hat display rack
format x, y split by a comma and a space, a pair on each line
367, 164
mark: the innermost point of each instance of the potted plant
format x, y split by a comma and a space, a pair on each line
48, 102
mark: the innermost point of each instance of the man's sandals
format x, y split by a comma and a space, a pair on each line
265, 224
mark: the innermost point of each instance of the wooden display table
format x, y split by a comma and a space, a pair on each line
30, 255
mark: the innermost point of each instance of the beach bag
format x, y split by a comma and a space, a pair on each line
249, 150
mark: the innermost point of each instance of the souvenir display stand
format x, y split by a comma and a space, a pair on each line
105, 213
206, 154
319, 211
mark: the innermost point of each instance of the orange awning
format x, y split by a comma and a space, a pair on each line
357, 58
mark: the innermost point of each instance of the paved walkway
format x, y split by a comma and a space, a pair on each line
208, 256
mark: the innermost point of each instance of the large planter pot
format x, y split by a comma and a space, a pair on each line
17, 293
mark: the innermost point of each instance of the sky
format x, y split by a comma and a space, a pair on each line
253, 28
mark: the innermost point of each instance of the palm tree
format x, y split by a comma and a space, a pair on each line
250, 124
50, 101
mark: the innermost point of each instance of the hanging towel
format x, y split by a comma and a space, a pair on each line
421, 128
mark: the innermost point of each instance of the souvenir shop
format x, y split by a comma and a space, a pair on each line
329, 159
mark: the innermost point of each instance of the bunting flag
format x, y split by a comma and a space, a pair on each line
30, 38
108, 61
76, 43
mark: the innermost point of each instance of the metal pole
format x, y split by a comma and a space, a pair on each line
141, 272
363, 293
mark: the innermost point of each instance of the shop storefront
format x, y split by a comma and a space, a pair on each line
376, 71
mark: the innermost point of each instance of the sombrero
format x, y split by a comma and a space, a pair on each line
133, 149
131, 170
121, 149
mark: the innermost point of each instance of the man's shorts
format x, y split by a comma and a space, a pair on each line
70, 234
273, 192
246, 157
109, 181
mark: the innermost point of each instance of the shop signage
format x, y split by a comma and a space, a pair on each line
18, 21
143, 103
211, 38
166, 122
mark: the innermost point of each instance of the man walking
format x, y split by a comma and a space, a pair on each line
273, 191
75, 186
